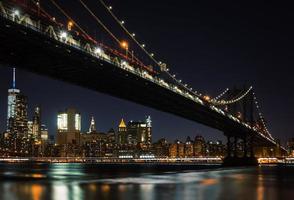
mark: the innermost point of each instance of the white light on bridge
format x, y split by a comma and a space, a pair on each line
16, 12
98, 51
63, 35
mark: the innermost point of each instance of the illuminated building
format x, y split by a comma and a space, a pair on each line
181, 149
68, 127
189, 150
161, 148
92, 128
44, 133
95, 143
36, 126
177, 149
173, 150
149, 130
122, 132
12, 93
134, 131
18, 125
199, 146
111, 137
110, 144
139, 132
30, 128
215, 148
17, 119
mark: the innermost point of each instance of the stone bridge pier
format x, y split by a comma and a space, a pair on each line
240, 151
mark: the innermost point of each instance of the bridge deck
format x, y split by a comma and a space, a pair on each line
35, 52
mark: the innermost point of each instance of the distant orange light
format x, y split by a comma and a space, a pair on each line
70, 24
124, 45
207, 98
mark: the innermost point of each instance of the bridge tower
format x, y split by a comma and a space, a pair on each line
240, 149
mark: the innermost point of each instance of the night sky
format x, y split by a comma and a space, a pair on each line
209, 45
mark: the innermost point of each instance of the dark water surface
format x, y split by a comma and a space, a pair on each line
80, 181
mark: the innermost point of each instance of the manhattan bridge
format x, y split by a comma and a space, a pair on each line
34, 40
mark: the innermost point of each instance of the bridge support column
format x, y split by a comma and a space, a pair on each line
235, 147
229, 146
245, 147
251, 149
233, 158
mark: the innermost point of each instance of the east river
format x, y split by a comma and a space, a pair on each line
82, 181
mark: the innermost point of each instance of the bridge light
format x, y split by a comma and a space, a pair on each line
98, 51
152, 54
206, 97
122, 22
124, 44
63, 35
16, 12
143, 45
110, 7
133, 34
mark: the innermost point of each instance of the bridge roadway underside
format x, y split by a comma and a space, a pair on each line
34, 52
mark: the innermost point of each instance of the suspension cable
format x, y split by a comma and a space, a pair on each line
126, 30
261, 115
222, 94
234, 100
142, 46
69, 18
110, 33
100, 22
137, 61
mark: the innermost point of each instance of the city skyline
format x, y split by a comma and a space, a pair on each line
28, 136
111, 99
51, 120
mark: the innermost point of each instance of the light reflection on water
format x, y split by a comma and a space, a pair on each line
78, 181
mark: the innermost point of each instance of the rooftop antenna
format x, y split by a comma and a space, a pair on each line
13, 83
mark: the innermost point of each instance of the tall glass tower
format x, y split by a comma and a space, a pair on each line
12, 94
92, 128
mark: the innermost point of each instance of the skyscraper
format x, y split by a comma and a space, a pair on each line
18, 124
17, 116
92, 128
139, 132
44, 132
122, 132
68, 127
12, 93
36, 126
149, 130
